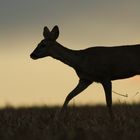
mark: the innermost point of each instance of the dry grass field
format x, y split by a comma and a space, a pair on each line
83, 122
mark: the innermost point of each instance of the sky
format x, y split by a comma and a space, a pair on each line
82, 24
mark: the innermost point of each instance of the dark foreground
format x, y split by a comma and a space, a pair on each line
89, 123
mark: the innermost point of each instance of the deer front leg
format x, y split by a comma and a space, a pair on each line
83, 84
107, 85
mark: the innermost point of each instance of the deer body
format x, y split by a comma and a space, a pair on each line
96, 64
111, 62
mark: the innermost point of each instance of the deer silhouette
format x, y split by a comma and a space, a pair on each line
95, 64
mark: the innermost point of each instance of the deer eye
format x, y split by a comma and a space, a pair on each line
43, 46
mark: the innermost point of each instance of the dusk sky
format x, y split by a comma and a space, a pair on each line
82, 24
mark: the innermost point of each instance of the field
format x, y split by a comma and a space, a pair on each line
83, 122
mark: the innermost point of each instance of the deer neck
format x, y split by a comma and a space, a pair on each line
64, 54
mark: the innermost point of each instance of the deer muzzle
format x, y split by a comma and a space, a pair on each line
33, 56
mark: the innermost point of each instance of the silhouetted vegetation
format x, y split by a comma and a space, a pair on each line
86, 122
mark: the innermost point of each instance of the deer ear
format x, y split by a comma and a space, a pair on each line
55, 32
46, 32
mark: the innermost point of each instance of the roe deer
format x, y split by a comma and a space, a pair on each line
95, 64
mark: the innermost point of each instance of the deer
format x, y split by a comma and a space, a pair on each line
101, 64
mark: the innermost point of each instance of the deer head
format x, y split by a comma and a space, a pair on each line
44, 47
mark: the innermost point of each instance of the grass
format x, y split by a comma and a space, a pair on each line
86, 122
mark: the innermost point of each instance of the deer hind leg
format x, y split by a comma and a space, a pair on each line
83, 84
107, 85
